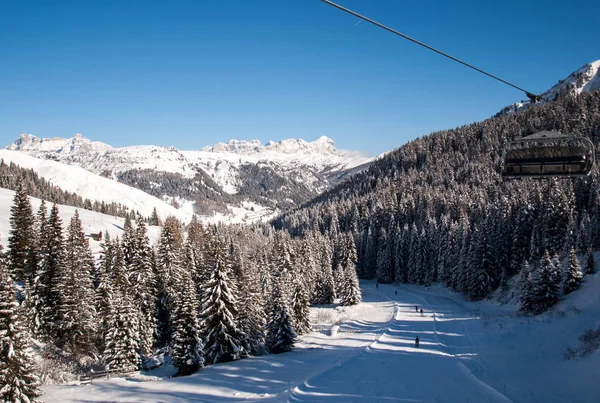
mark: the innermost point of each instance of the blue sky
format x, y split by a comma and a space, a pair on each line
193, 73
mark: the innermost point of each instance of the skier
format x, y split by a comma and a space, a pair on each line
396, 292
416, 308
421, 311
417, 342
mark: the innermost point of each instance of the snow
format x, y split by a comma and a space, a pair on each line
92, 221
469, 352
94, 187
585, 79
221, 161
248, 212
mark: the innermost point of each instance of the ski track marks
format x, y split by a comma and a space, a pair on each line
392, 369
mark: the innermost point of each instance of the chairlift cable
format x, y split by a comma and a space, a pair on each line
532, 97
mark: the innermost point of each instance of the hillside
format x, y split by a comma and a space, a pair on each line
94, 187
585, 79
92, 222
437, 209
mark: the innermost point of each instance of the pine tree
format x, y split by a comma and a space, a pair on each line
526, 296
251, 319
18, 382
21, 236
76, 319
35, 301
280, 331
222, 341
300, 308
384, 264
351, 289
546, 285
121, 340
187, 348
144, 291
47, 282
574, 277
589, 262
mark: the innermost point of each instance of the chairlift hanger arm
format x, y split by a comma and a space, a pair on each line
532, 97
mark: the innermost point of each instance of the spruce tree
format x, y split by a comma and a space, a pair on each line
222, 338
526, 296
589, 262
573, 275
142, 279
121, 341
350, 287
251, 319
187, 349
546, 285
51, 266
18, 382
280, 331
21, 236
76, 319
300, 308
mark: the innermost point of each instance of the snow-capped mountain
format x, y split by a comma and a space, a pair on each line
269, 177
585, 79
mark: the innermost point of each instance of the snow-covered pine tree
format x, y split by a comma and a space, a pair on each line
154, 218
47, 285
223, 341
384, 264
584, 235
351, 289
121, 340
187, 349
280, 331
142, 279
21, 235
35, 302
18, 382
526, 296
589, 262
251, 319
300, 308
573, 275
325, 286
76, 320
546, 285
104, 292
169, 257
128, 240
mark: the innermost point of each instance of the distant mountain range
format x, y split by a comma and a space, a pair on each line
231, 179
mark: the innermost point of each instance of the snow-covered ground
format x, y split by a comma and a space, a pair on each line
94, 187
92, 222
469, 352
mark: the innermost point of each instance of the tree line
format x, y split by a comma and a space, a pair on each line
203, 295
437, 210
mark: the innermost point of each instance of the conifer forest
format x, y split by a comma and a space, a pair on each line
434, 210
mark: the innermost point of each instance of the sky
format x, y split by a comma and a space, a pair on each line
191, 73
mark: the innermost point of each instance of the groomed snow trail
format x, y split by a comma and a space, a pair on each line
393, 369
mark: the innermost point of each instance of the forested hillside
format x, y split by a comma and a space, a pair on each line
436, 209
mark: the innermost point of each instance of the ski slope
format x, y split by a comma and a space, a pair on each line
469, 352
92, 222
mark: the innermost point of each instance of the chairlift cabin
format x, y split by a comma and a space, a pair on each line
548, 154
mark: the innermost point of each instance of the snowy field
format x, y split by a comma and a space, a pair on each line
91, 221
469, 352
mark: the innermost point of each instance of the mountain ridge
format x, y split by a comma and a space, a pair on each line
220, 178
